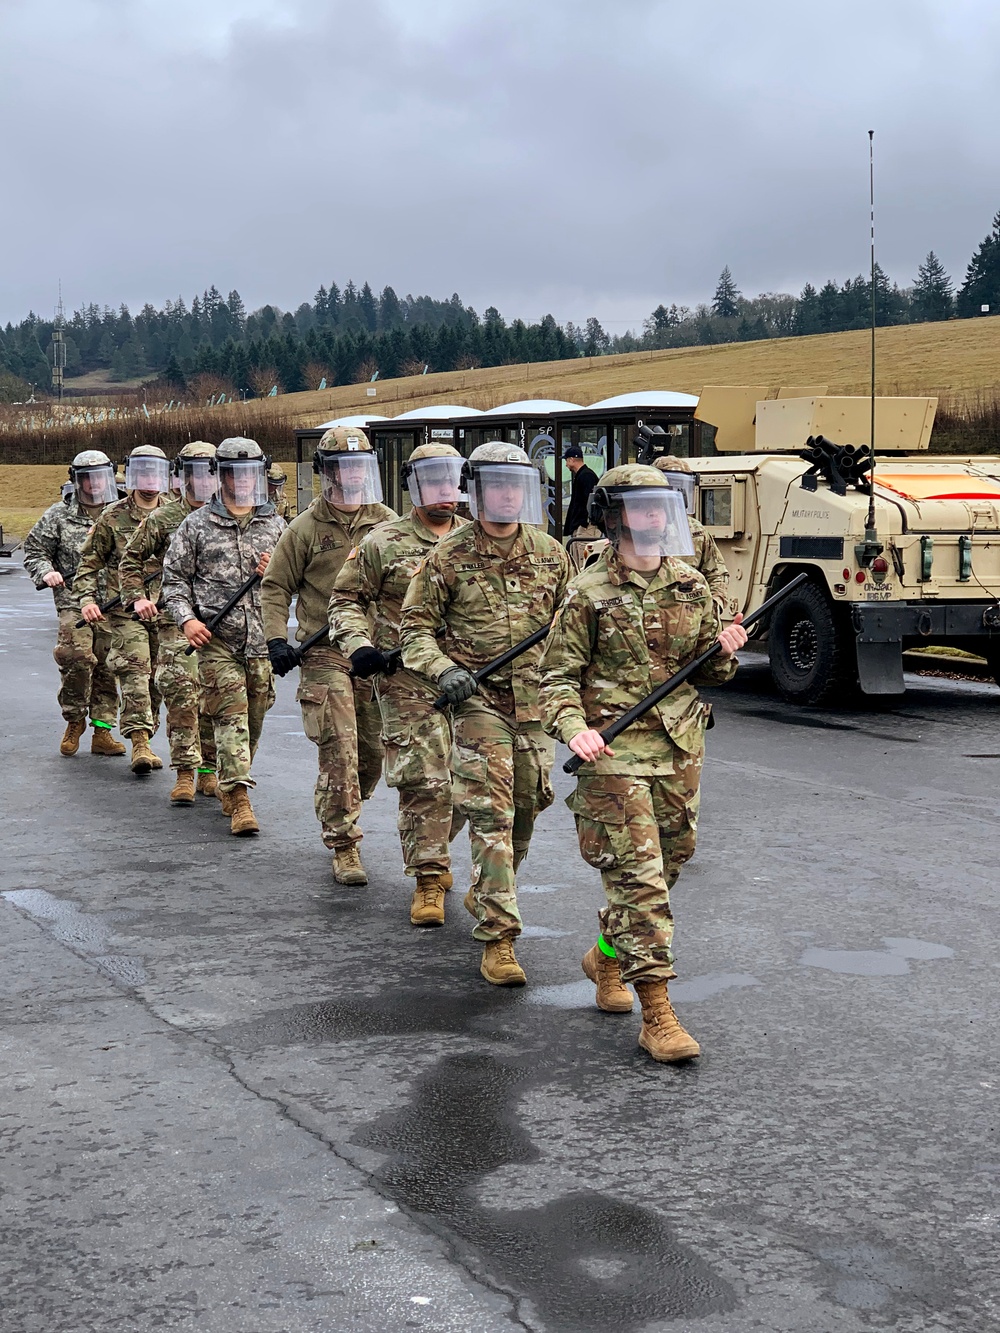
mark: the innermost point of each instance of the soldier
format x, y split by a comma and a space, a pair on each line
485, 588
707, 558
339, 714
51, 556
628, 622
214, 551
276, 479
133, 642
189, 733
365, 611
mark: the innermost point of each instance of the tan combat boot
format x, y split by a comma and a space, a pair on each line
102, 742
661, 1034
70, 742
499, 966
613, 996
225, 802
242, 818
183, 788
142, 755
208, 784
427, 905
347, 867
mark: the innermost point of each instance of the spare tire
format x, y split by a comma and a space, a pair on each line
810, 648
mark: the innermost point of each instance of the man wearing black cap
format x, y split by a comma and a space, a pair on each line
584, 481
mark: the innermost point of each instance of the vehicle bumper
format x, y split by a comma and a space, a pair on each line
884, 629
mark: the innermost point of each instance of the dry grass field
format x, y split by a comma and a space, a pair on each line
25, 492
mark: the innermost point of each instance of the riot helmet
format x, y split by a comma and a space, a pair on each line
503, 484
147, 470
93, 476
347, 468
276, 479
433, 476
634, 502
680, 477
241, 467
192, 470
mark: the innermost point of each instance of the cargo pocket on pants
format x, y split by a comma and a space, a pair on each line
312, 700
599, 807
471, 785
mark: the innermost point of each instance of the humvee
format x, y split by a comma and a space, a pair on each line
931, 576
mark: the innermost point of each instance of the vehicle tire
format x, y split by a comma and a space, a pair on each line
810, 648
992, 654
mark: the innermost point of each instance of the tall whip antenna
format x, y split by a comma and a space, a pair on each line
866, 551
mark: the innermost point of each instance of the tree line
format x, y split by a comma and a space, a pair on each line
348, 335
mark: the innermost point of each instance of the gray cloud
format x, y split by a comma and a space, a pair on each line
579, 156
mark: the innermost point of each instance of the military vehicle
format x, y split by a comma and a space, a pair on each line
787, 491
8, 547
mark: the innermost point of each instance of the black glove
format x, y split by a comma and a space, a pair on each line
367, 662
457, 684
284, 657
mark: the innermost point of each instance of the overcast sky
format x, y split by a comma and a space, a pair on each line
574, 156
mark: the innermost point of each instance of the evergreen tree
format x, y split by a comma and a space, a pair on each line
982, 278
390, 313
368, 308
173, 374
725, 302
596, 341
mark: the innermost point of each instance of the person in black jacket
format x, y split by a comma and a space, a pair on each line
584, 481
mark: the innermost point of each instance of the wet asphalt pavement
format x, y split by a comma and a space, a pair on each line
236, 1097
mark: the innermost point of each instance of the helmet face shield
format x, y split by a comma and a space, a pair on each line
242, 481
197, 481
146, 472
435, 481
653, 518
95, 485
683, 482
350, 478
505, 493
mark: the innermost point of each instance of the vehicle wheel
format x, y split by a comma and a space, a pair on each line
810, 650
992, 654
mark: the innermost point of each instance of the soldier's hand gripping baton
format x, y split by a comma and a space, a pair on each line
212, 624
394, 656
613, 729
499, 662
112, 602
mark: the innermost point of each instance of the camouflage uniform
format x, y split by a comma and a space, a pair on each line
87, 685
707, 560
190, 734
210, 555
485, 603
365, 609
339, 714
618, 635
133, 642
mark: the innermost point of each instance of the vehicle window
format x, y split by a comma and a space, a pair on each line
717, 506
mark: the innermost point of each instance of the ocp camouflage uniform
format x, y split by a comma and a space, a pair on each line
133, 642
618, 635
365, 609
485, 603
339, 715
210, 555
87, 685
189, 732
707, 560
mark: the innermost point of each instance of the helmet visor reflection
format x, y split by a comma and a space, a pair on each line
199, 480
683, 482
435, 481
506, 493
147, 473
95, 485
350, 478
656, 520
243, 481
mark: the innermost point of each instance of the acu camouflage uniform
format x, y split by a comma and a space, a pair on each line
485, 603
365, 608
210, 555
190, 734
339, 714
618, 635
134, 643
87, 684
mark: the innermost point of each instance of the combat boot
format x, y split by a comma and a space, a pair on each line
70, 742
142, 755
661, 1033
347, 867
242, 817
499, 966
208, 784
613, 996
183, 788
102, 742
225, 800
427, 905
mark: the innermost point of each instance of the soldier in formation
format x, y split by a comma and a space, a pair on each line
365, 612
51, 556
189, 732
276, 479
133, 641
628, 623
215, 551
339, 712
707, 559
479, 592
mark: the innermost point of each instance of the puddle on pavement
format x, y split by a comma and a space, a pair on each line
585, 1261
892, 961
89, 933
869, 1277
580, 994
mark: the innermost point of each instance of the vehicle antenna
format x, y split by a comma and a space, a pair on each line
866, 551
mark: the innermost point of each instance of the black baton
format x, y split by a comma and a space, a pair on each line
501, 661
117, 601
238, 595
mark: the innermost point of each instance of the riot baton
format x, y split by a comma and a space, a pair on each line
503, 660
574, 763
394, 656
238, 595
117, 601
